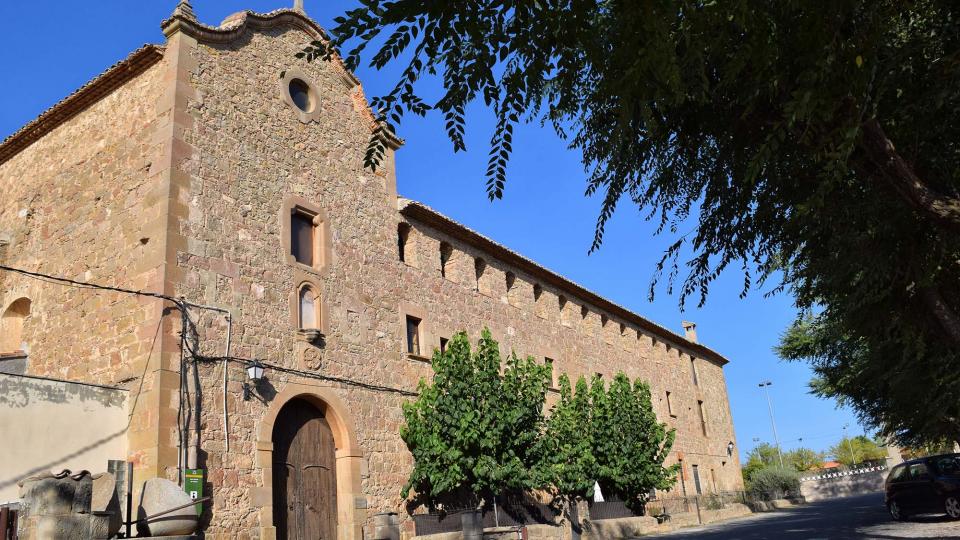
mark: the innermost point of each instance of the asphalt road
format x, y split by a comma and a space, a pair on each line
862, 516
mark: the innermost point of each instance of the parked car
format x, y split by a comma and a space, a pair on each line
924, 486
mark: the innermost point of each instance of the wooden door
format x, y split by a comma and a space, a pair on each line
304, 474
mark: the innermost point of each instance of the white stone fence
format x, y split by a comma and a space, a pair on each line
846, 472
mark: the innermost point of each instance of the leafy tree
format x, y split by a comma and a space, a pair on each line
817, 143
760, 457
930, 449
804, 459
471, 429
851, 451
910, 396
774, 482
629, 444
567, 446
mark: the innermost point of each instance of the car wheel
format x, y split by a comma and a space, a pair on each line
952, 506
895, 511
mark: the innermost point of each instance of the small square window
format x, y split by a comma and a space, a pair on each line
413, 335
302, 237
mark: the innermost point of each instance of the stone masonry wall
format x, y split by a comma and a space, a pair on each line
204, 152
73, 204
585, 343
84, 203
251, 154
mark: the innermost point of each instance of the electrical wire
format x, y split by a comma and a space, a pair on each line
191, 347
310, 375
88, 285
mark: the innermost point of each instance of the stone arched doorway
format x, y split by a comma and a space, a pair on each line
304, 474
296, 433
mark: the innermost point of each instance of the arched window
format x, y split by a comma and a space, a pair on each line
309, 308
11, 326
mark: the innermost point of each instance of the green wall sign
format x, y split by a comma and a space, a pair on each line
193, 485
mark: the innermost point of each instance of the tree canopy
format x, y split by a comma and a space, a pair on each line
851, 451
473, 430
629, 445
813, 146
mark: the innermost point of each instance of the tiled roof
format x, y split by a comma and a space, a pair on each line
116, 75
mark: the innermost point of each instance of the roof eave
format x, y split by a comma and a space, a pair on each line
426, 215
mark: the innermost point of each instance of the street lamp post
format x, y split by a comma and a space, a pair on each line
853, 457
766, 385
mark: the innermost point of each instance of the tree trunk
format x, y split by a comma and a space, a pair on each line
879, 150
947, 317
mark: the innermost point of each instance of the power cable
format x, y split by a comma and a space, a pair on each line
310, 375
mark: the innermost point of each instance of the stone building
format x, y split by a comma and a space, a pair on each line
192, 170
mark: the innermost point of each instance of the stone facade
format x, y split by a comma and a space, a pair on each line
179, 179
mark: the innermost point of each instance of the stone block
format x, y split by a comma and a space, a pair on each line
160, 495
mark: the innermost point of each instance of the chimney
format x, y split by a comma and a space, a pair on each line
690, 329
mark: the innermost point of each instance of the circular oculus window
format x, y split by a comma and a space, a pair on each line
301, 95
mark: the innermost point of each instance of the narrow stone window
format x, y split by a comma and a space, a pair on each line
537, 292
309, 311
301, 96
443, 345
703, 418
693, 370
565, 315
670, 406
479, 267
303, 237
550, 373
584, 312
446, 252
403, 238
413, 335
511, 279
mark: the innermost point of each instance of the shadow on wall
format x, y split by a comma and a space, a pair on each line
18, 476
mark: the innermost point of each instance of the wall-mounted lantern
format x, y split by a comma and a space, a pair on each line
255, 374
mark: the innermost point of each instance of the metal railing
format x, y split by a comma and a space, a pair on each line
524, 511
512, 511
667, 506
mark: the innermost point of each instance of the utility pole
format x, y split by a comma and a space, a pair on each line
853, 457
766, 385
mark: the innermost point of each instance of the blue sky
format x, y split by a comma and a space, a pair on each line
48, 48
